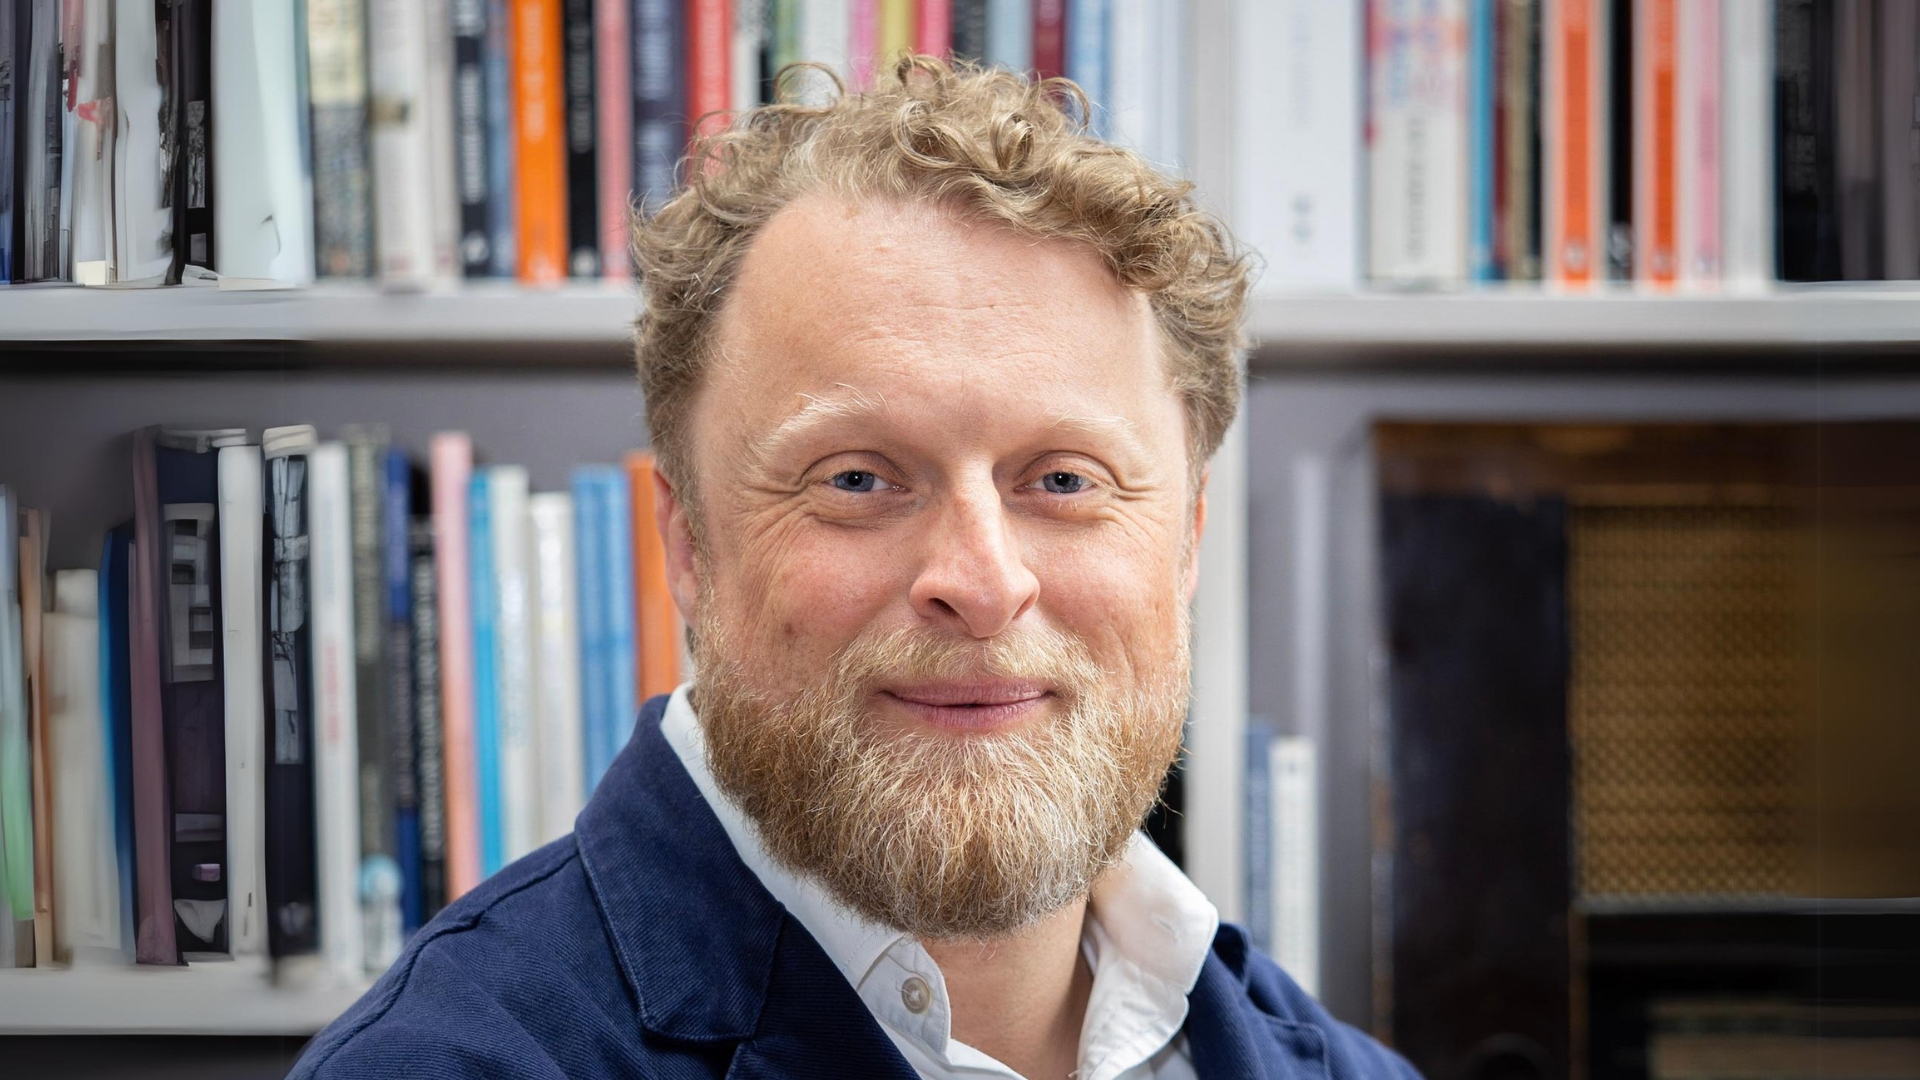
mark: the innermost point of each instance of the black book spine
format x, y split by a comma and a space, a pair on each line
583, 169
380, 880
188, 26
1620, 48
15, 33
1808, 240
470, 136
969, 29
659, 99
427, 758
293, 926
396, 581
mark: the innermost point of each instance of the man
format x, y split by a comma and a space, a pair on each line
933, 379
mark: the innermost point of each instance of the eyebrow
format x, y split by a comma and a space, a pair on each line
852, 403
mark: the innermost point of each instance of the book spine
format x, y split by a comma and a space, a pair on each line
709, 85
1656, 204
1898, 35
1169, 27
659, 99
1807, 227
86, 919
1616, 187
335, 757
933, 27
613, 121
503, 215
16, 771
437, 95
9, 121
154, 942
342, 176
1010, 26
32, 568
264, 226
782, 32
451, 460
91, 193
430, 747
367, 453
1747, 144
1088, 44
754, 33
1417, 163
397, 73
657, 621
489, 803
117, 707
1049, 38
540, 149
1482, 27
556, 669
1699, 144
970, 30
582, 135
397, 658
1295, 863
473, 178
1517, 175
242, 571
191, 26
513, 662
589, 529
863, 43
826, 33
896, 34
1258, 836
292, 897
1574, 162
1856, 161
617, 597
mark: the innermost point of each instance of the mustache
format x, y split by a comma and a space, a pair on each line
912, 654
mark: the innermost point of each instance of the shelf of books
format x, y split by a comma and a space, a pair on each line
229, 997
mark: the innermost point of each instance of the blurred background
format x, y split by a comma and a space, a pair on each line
1558, 644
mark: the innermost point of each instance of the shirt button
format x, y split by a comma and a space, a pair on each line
916, 995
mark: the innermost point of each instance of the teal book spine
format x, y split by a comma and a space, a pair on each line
486, 697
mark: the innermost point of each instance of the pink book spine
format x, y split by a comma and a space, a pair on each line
933, 29
1703, 263
451, 463
613, 108
154, 941
863, 41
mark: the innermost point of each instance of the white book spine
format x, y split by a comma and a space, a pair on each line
141, 223
1295, 865
263, 229
1129, 68
1417, 162
92, 194
438, 95
826, 29
86, 902
336, 756
1747, 168
1170, 82
557, 666
749, 32
1698, 132
513, 623
403, 210
1297, 135
241, 625
1009, 33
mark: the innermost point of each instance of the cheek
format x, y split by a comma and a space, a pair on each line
796, 596
1121, 595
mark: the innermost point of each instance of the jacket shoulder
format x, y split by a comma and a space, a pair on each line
1348, 1052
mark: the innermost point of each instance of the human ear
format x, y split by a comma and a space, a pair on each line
1192, 584
673, 517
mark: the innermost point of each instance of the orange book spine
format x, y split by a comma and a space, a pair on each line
1656, 168
450, 460
540, 160
1572, 113
709, 74
656, 621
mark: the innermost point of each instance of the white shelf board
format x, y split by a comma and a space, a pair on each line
225, 997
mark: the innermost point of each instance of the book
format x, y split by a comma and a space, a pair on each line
1297, 179
933, 27
16, 769
582, 140
32, 568
502, 149
1656, 177
293, 925
539, 140
242, 627
616, 592
336, 818
341, 158
1697, 134
1808, 217
473, 179
375, 768
1747, 145
1417, 142
753, 37
556, 668
188, 24
1574, 129
37, 151
896, 32
613, 126
117, 705
1856, 164
1049, 38
147, 578
451, 462
442, 171
1898, 37
863, 43
1010, 26
970, 30
263, 229
9, 109
1132, 78
659, 99
1295, 863
1482, 120
596, 721
397, 106
657, 621
429, 748
515, 693
1619, 116
1517, 117
87, 902
1168, 29
826, 34
489, 802
142, 222
401, 732
709, 49
1088, 43
90, 105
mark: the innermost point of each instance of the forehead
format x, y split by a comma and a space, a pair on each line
913, 304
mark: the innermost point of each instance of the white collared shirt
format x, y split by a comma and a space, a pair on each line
1148, 932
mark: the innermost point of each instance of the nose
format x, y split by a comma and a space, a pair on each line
974, 577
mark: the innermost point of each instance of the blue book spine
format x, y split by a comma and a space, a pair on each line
589, 529
502, 220
398, 566
486, 699
1259, 834
1480, 158
116, 712
623, 686
1010, 34
1088, 32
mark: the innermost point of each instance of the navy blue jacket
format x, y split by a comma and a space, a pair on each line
641, 946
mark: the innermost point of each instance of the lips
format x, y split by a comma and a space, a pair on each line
971, 706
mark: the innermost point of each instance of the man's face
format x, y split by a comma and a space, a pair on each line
946, 531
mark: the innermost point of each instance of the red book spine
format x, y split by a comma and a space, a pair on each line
1050, 38
933, 28
1656, 205
540, 151
451, 465
709, 80
613, 114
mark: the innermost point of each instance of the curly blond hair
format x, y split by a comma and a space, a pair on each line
989, 144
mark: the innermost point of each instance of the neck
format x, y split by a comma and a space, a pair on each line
1021, 998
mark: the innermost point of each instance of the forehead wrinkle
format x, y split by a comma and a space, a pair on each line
1114, 426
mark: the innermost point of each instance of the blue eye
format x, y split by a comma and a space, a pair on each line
855, 480
1063, 483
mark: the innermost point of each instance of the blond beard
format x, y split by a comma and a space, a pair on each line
938, 835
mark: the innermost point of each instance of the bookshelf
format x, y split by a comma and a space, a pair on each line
235, 997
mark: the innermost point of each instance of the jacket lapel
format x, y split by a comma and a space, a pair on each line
1229, 1036
814, 1024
